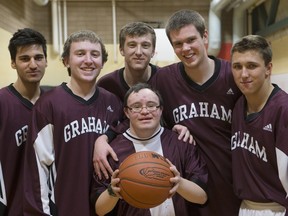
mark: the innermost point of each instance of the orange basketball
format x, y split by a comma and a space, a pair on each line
145, 179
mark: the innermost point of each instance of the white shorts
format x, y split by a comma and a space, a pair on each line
249, 208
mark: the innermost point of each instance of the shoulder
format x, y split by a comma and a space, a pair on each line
55, 95
171, 144
154, 68
122, 147
105, 92
54, 91
111, 76
281, 93
172, 136
170, 68
167, 72
222, 66
223, 74
8, 96
4, 91
239, 106
279, 99
107, 95
46, 88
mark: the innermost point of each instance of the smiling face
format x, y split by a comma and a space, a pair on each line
250, 72
189, 46
84, 61
144, 123
137, 51
30, 63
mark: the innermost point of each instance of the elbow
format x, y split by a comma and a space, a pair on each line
99, 212
203, 199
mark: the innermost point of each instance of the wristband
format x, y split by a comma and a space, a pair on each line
110, 191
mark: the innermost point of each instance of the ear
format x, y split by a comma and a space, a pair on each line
121, 51
205, 37
161, 110
153, 53
269, 69
126, 112
65, 62
13, 64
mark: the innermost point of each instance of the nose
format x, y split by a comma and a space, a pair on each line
33, 63
144, 110
244, 72
88, 58
185, 46
138, 50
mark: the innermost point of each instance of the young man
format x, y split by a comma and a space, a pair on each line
28, 53
199, 92
65, 123
143, 107
137, 41
259, 131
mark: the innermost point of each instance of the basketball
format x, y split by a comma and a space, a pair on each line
145, 179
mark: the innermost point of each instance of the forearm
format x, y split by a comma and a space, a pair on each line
191, 191
105, 203
109, 135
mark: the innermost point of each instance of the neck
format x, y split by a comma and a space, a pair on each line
30, 91
202, 72
144, 134
133, 77
83, 90
256, 102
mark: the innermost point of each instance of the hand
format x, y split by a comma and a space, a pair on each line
114, 183
175, 180
184, 134
100, 162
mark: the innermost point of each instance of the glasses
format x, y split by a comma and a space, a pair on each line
138, 109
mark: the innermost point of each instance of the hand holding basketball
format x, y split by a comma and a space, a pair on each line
145, 179
114, 184
175, 180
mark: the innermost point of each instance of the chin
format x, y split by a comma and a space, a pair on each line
147, 127
139, 68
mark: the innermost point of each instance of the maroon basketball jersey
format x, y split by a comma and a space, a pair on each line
207, 111
15, 114
60, 148
260, 150
114, 82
